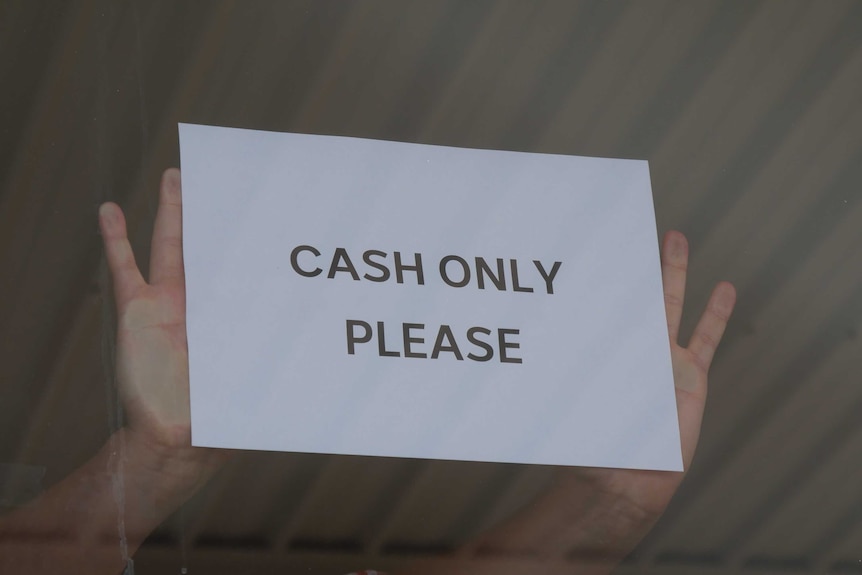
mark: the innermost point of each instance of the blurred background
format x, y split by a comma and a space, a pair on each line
748, 112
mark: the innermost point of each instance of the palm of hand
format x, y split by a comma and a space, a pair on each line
152, 352
645, 494
152, 364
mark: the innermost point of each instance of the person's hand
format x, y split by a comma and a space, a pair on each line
650, 492
148, 468
152, 352
603, 513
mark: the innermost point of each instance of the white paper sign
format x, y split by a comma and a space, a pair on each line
367, 297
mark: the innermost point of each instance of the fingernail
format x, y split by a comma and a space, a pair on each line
106, 215
676, 246
172, 181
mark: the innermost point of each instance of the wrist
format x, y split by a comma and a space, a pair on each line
163, 476
603, 519
581, 516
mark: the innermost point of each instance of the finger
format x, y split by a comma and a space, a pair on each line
166, 254
126, 276
710, 328
674, 263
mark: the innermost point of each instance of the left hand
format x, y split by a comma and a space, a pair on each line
605, 512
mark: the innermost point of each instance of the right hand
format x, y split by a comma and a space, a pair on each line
152, 350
